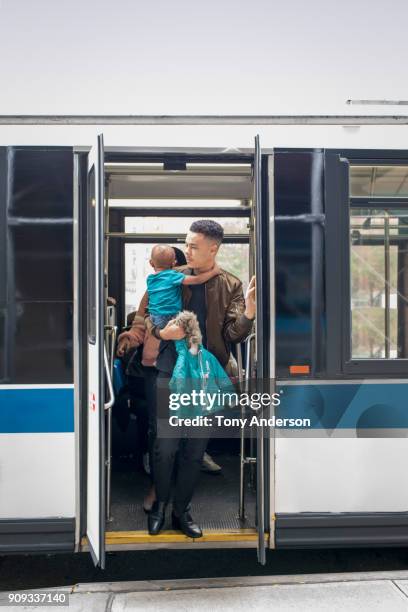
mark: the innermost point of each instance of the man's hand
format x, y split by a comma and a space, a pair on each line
172, 332
250, 303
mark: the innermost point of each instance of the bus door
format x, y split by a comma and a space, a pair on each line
260, 222
98, 364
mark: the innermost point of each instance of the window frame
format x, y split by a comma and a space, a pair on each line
357, 367
117, 216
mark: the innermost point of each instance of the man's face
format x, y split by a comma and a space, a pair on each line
200, 250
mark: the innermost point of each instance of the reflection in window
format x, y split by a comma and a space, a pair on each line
379, 283
379, 181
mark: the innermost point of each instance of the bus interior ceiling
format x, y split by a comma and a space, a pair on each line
157, 202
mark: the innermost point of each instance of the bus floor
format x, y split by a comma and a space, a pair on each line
214, 505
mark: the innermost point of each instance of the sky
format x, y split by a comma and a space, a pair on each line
208, 57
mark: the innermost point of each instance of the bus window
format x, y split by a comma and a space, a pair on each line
379, 181
379, 282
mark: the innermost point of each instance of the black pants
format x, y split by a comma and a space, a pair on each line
138, 405
150, 393
168, 441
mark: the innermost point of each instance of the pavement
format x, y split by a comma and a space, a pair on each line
348, 592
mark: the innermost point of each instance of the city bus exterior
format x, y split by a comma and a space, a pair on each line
327, 213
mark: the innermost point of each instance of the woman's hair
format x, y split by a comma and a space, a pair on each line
180, 257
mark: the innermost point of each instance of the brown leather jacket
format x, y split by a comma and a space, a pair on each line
225, 303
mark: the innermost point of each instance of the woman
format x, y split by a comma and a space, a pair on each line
150, 350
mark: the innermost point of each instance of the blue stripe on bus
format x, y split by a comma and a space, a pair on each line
330, 406
352, 406
36, 410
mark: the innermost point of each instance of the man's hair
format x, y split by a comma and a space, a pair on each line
210, 229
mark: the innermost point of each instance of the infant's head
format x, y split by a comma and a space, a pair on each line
162, 257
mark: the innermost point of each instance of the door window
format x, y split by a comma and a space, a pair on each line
91, 257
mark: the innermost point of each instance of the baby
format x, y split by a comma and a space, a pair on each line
164, 286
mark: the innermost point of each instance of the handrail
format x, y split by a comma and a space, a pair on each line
111, 400
260, 373
112, 347
243, 459
108, 405
248, 360
111, 335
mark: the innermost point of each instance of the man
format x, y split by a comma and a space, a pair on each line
225, 317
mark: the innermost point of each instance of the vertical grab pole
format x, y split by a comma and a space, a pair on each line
243, 459
241, 511
106, 257
252, 463
317, 207
387, 287
108, 407
259, 347
112, 348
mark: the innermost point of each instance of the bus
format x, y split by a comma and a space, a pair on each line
319, 213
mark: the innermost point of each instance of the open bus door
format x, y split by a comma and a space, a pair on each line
259, 345
97, 359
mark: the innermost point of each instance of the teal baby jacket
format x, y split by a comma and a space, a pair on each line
204, 375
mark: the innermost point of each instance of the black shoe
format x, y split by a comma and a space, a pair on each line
156, 518
185, 523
